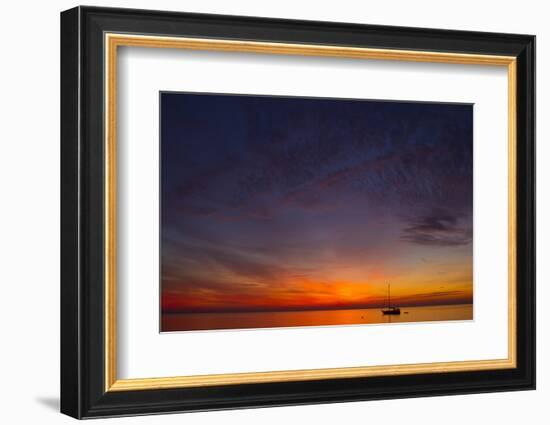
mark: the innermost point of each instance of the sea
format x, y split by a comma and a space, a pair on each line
282, 319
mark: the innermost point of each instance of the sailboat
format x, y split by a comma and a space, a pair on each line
390, 309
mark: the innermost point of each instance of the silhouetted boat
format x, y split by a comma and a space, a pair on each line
390, 309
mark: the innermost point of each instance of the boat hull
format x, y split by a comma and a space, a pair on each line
391, 312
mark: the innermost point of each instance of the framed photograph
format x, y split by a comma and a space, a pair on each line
261, 212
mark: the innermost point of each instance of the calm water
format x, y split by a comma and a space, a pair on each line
204, 321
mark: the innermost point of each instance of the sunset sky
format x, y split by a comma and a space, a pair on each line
274, 203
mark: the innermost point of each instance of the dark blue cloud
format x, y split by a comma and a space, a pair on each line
439, 228
248, 155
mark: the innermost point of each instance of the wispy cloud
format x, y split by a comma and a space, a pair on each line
439, 228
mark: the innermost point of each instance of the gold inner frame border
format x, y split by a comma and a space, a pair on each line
111, 43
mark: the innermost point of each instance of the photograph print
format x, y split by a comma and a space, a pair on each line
296, 211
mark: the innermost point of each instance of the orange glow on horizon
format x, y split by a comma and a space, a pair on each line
307, 293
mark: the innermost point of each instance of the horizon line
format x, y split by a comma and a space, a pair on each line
303, 309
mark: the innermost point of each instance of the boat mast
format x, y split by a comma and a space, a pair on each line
389, 296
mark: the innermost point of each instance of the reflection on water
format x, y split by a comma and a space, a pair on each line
206, 321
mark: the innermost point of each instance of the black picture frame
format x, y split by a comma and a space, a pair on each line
83, 392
